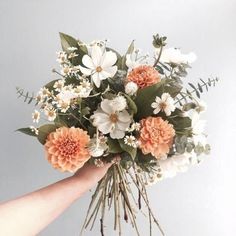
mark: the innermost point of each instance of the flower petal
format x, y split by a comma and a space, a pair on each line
85, 71
124, 116
105, 127
117, 134
157, 110
109, 71
122, 126
107, 107
96, 54
109, 59
96, 79
88, 62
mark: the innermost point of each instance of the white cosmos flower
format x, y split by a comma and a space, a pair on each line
174, 55
109, 120
100, 65
165, 103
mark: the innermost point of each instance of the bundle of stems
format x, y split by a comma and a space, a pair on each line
114, 189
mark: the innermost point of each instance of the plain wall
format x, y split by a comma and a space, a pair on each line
199, 202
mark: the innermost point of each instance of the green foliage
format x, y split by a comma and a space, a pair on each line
67, 41
196, 90
131, 150
44, 131
114, 146
131, 104
27, 96
121, 63
27, 131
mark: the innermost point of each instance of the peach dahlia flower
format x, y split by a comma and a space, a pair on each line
144, 76
66, 148
156, 136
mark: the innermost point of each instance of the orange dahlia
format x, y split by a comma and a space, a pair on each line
66, 148
156, 136
144, 76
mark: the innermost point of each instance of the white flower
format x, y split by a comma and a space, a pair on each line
50, 113
131, 88
173, 55
197, 124
119, 103
100, 65
36, 116
62, 57
130, 140
58, 85
134, 127
66, 95
165, 104
63, 105
108, 120
35, 130
83, 90
97, 146
177, 163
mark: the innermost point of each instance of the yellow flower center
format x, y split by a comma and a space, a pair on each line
163, 106
113, 118
99, 69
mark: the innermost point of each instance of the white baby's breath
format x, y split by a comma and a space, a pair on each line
36, 116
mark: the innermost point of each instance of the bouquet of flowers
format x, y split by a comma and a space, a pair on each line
131, 110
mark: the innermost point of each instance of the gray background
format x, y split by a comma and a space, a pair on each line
199, 202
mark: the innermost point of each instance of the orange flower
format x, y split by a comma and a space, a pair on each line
67, 148
156, 136
144, 76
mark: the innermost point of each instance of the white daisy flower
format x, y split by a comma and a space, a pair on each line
67, 94
50, 113
134, 127
130, 140
63, 105
165, 104
58, 85
62, 57
108, 120
174, 55
131, 88
36, 116
119, 103
100, 65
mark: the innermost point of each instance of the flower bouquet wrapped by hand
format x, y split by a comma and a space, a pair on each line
128, 109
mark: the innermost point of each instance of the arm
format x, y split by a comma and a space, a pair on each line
29, 214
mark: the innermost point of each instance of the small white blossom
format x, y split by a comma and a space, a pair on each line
130, 140
50, 113
100, 65
165, 104
173, 55
58, 85
63, 105
119, 103
72, 48
72, 55
35, 116
62, 57
35, 130
134, 127
97, 146
131, 88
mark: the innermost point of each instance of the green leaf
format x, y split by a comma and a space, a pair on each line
114, 146
27, 131
131, 150
180, 123
131, 103
67, 41
145, 97
44, 131
121, 63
